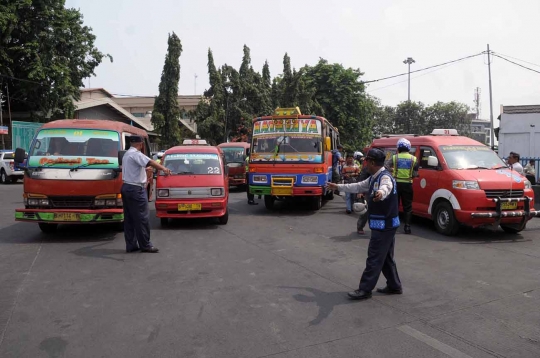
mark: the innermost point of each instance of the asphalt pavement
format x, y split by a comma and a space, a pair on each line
267, 284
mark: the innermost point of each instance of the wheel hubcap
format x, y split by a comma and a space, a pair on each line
443, 219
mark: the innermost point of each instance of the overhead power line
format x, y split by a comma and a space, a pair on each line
515, 58
515, 63
425, 68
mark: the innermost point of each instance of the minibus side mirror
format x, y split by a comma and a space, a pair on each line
432, 162
19, 156
120, 157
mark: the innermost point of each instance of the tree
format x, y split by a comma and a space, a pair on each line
166, 112
49, 51
409, 118
448, 115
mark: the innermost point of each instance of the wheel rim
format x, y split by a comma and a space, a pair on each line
443, 219
3, 176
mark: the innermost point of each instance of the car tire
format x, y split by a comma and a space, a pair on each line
48, 228
269, 202
223, 220
164, 221
329, 195
514, 228
316, 202
445, 220
14, 179
3, 177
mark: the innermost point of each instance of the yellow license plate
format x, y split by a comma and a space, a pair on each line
66, 217
189, 207
509, 206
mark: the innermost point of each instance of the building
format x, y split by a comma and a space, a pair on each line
519, 130
97, 103
481, 131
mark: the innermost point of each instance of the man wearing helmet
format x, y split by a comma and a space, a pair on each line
404, 169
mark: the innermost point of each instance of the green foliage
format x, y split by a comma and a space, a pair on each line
49, 46
416, 118
166, 112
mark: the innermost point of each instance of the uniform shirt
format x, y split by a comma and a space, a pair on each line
385, 186
134, 167
517, 167
529, 169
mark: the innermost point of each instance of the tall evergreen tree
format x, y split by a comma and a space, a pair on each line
166, 112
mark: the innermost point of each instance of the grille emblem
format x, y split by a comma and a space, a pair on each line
189, 192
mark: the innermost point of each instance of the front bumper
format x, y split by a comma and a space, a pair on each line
70, 216
237, 181
210, 208
286, 191
508, 216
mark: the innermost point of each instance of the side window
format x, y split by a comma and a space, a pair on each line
425, 153
147, 147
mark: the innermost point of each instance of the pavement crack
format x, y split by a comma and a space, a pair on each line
18, 294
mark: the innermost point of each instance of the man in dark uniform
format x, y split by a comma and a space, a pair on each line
135, 197
383, 222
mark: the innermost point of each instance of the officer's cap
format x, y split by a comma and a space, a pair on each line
135, 139
376, 155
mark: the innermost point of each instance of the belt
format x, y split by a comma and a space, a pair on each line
136, 184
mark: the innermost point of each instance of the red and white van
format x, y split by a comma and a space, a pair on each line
463, 182
198, 187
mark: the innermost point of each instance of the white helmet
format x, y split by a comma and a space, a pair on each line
360, 208
160, 154
404, 143
358, 154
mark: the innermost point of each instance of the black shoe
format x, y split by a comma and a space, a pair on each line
133, 250
348, 211
151, 249
359, 295
407, 229
389, 291
251, 202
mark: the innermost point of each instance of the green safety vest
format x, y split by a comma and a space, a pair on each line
158, 161
247, 164
403, 167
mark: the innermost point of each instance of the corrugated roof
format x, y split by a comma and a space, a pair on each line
521, 109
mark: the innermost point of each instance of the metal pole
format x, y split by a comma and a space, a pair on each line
226, 120
1, 118
492, 137
409, 96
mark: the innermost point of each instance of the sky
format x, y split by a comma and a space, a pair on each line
373, 36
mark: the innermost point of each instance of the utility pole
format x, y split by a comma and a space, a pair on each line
408, 61
492, 134
195, 89
1, 118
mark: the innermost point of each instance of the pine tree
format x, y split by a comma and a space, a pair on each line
166, 112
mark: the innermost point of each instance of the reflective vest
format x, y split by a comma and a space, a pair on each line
158, 161
403, 167
383, 215
247, 164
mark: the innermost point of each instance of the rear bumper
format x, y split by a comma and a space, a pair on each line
210, 208
14, 173
79, 217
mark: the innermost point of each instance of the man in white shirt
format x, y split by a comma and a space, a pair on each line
513, 162
135, 198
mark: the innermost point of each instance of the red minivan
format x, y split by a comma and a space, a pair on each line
198, 187
235, 158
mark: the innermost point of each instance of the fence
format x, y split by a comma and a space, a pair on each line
525, 161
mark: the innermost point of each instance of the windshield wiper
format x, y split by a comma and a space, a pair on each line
83, 166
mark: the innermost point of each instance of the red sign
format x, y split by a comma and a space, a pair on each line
3, 130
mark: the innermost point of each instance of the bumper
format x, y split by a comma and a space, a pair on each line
286, 191
210, 208
499, 215
70, 216
18, 173
237, 181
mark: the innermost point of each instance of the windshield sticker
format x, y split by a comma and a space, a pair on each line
306, 126
191, 156
286, 158
468, 148
517, 178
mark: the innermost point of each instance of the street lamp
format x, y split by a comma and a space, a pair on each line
408, 61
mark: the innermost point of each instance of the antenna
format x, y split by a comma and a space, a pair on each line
477, 102
195, 89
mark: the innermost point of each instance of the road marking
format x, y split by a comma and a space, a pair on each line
432, 342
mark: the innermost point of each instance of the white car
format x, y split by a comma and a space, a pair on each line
8, 172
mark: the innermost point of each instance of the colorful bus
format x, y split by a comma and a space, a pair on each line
73, 173
235, 157
291, 157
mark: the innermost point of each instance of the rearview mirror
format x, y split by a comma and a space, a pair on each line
432, 161
19, 156
121, 156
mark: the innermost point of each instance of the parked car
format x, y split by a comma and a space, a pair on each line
8, 171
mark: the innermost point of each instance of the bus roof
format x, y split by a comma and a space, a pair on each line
303, 116
426, 140
235, 145
205, 149
95, 124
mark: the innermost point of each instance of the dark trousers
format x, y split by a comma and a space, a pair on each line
531, 178
380, 258
136, 217
405, 195
251, 197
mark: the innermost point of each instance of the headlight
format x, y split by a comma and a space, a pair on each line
43, 202
260, 179
33, 202
465, 184
527, 184
99, 202
216, 191
111, 202
163, 192
310, 179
